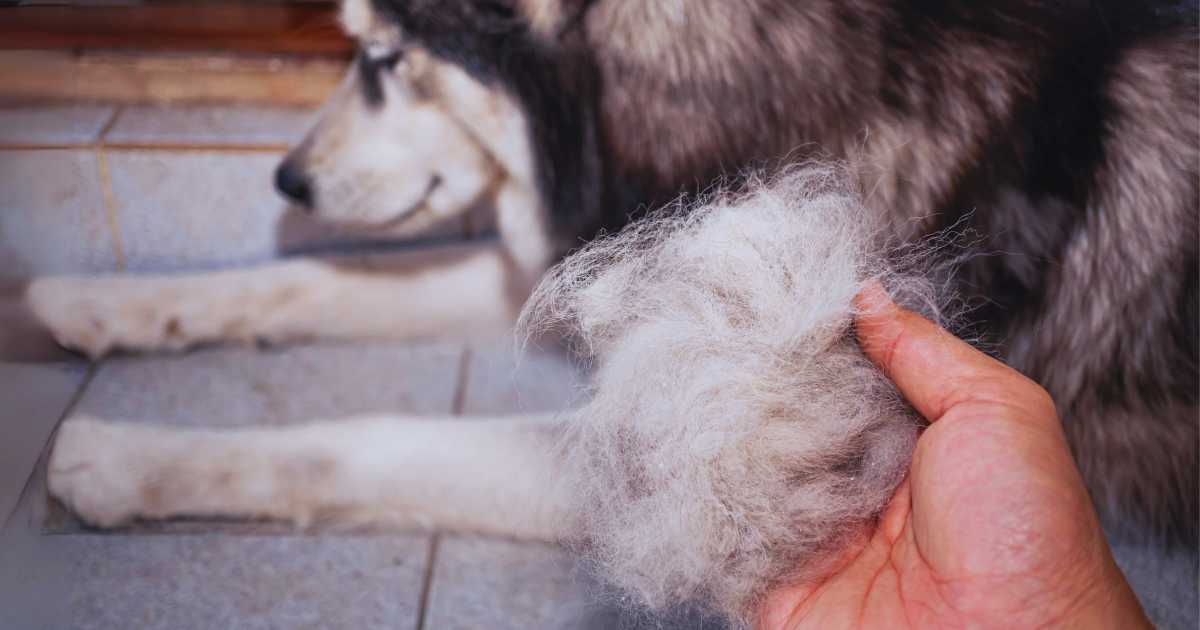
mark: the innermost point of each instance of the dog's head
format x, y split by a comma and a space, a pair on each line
423, 126
584, 109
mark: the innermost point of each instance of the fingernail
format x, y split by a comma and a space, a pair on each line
873, 298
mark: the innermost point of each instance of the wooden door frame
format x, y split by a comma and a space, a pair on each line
225, 27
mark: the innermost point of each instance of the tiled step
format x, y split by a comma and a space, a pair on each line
502, 585
91, 188
202, 575
52, 214
238, 387
33, 398
203, 582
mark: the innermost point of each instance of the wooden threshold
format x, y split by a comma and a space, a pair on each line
41, 76
225, 27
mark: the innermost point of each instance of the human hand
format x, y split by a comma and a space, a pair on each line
991, 528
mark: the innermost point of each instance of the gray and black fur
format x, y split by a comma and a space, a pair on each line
1067, 133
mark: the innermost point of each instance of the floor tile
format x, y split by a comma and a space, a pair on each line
500, 584
52, 217
33, 397
34, 578
497, 584
236, 582
193, 210
23, 336
242, 386
53, 124
502, 378
214, 124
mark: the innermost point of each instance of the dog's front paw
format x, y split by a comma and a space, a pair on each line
94, 471
78, 312
98, 315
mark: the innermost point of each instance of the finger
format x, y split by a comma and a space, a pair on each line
894, 517
933, 369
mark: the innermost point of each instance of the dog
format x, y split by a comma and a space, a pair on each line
1066, 135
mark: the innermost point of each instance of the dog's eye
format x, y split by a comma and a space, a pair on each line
373, 61
382, 56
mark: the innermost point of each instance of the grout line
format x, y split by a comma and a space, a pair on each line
225, 147
110, 207
106, 192
112, 122
427, 580
36, 146
25, 496
460, 390
456, 409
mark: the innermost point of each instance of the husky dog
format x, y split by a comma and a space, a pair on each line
1066, 135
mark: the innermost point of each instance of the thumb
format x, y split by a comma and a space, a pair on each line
934, 370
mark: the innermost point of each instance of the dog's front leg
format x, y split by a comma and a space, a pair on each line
453, 291
496, 476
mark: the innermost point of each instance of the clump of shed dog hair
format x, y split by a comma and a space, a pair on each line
736, 435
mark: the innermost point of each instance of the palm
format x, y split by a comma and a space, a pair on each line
987, 530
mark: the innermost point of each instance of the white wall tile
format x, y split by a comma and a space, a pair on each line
195, 209
52, 216
223, 124
52, 124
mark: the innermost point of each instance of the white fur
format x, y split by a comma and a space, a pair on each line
461, 291
406, 161
736, 433
438, 142
487, 475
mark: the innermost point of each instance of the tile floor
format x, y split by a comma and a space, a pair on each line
87, 189
237, 575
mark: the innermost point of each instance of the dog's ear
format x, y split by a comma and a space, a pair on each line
551, 18
361, 19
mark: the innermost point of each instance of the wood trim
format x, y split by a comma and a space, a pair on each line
39, 76
198, 26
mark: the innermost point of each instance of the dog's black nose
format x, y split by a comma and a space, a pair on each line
293, 183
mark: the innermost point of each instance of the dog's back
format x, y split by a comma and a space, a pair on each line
1089, 207
1099, 294
1066, 136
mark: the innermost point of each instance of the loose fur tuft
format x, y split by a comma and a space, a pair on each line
735, 434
